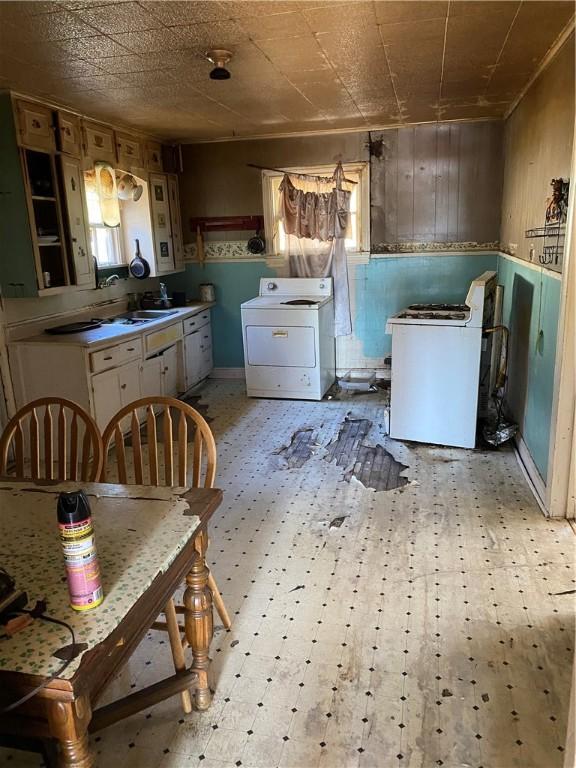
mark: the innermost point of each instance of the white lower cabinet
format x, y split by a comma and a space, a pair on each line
151, 377
106, 379
170, 376
192, 355
159, 375
198, 355
114, 389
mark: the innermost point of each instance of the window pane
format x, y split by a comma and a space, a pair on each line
105, 245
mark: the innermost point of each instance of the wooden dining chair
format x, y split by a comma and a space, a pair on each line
51, 439
136, 432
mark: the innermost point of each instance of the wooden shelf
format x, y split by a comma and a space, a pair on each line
50, 245
46, 199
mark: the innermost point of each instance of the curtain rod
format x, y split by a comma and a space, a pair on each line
294, 173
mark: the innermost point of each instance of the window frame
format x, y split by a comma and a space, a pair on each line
361, 168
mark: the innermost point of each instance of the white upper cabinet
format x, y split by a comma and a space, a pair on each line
99, 143
130, 153
177, 244
69, 129
161, 223
35, 126
77, 220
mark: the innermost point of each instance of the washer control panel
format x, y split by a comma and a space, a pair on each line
296, 286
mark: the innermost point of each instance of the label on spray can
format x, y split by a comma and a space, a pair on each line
79, 547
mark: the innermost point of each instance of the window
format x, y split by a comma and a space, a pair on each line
357, 242
104, 241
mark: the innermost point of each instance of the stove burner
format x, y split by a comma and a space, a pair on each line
300, 302
439, 307
432, 316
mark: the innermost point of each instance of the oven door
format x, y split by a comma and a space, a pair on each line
283, 346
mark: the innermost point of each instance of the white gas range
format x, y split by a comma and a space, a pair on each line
436, 355
288, 333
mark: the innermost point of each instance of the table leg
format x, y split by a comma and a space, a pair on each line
199, 625
69, 726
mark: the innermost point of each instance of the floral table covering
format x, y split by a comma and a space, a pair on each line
139, 532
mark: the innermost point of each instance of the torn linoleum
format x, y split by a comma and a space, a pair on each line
372, 465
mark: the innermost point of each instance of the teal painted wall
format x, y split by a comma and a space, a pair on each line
234, 283
383, 287
531, 307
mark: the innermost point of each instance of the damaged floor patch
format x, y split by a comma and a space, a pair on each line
372, 465
300, 449
376, 468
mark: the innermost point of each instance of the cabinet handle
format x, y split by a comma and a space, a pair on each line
131, 349
108, 358
166, 369
122, 386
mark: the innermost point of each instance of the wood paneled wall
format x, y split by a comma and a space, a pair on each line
436, 183
538, 147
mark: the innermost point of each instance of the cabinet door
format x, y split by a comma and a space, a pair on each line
177, 240
193, 358
69, 134
129, 150
153, 152
161, 224
151, 377
107, 396
129, 380
35, 126
99, 143
77, 220
206, 364
170, 371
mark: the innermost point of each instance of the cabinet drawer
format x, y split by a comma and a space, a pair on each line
35, 126
197, 321
158, 340
113, 356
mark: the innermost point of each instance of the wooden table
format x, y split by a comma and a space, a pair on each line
149, 541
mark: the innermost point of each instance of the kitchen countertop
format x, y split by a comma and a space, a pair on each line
110, 333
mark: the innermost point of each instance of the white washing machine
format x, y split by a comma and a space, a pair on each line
436, 351
288, 333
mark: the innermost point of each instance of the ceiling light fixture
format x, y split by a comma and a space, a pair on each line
219, 57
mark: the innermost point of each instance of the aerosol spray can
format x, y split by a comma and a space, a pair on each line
80, 558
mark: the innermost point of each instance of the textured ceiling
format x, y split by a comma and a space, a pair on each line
297, 66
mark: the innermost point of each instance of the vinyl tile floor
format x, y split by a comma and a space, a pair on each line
431, 626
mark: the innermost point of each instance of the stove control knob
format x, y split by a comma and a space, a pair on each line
322, 285
271, 286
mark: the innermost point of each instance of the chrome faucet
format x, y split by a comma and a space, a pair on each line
108, 281
164, 295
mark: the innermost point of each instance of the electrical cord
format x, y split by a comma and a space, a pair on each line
38, 613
